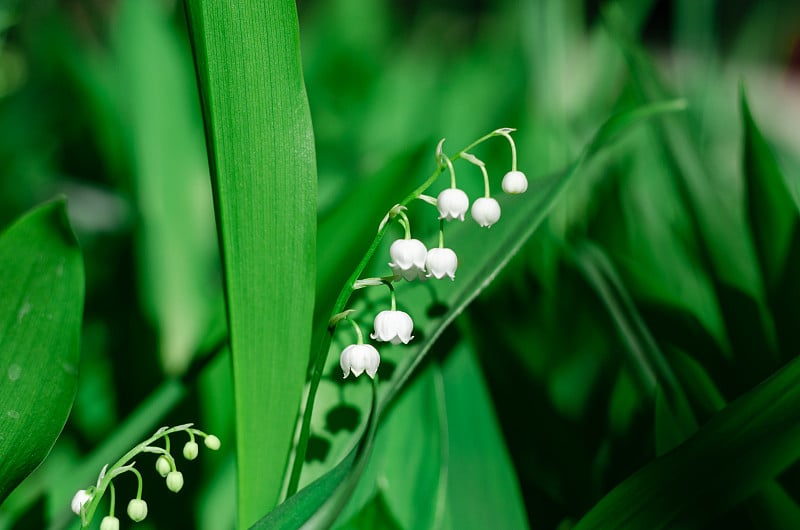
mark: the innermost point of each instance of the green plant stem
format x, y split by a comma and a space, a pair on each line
113, 499
114, 470
486, 192
321, 356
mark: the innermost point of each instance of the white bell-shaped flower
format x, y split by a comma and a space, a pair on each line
360, 358
137, 510
441, 262
394, 327
212, 442
109, 522
485, 211
79, 500
408, 259
174, 481
514, 182
452, 203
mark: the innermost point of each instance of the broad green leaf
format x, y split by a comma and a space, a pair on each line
481, 489
261, 149
731, 457
41, 307
482, 254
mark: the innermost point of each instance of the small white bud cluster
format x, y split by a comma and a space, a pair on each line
85, 501
412, 260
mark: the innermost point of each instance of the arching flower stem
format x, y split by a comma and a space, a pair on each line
506, 133
405, 223
317, 364
113, 499
360, 337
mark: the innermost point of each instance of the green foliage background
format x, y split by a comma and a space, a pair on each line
622, 365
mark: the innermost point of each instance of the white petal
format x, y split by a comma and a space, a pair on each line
345, 360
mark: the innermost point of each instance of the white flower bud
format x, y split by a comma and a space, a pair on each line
514, 182
190, 450
137, 510
162, 465
109, 523
359, 358
452, 203
393, 326
441, 262
212, 442
485, 211
174, 481
79, 500
408, 259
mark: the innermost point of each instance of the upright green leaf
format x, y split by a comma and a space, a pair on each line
773, 219
260, 140
770, 207
41, 307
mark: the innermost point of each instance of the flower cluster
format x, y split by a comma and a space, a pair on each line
411, 260
85, 501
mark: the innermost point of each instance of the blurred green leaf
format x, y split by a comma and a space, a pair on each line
177, 244
647, 361
41, 308
773, 218
262, 160
730, 458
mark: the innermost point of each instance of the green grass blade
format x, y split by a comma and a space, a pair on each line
261, 145
41, 309
730, 458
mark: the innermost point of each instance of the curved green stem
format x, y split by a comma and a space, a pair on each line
358, 331
486, 192
441, 233
113, 498
513, 150
452, 171
391, 293
120, 466
405, 223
